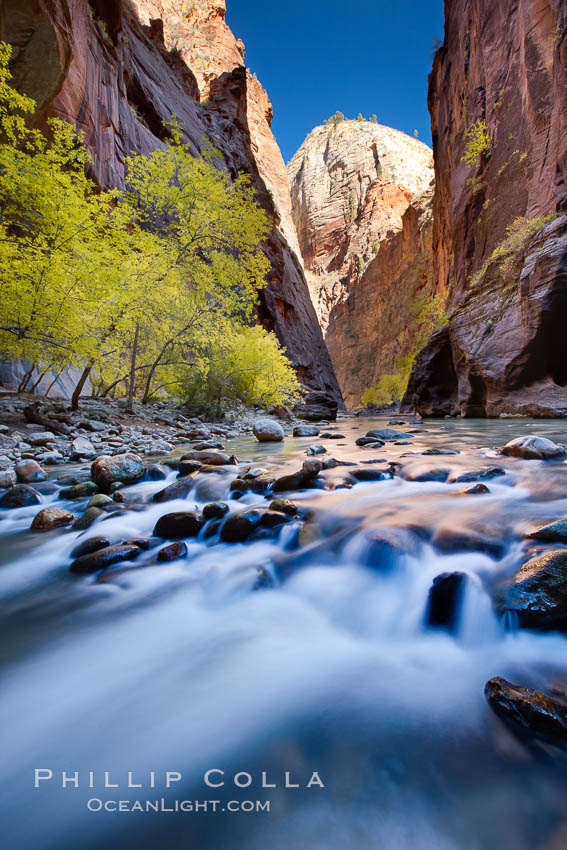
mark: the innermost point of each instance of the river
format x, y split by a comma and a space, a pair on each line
185, 667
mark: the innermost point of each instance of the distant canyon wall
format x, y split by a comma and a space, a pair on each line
117, 70
361, 200
498, 103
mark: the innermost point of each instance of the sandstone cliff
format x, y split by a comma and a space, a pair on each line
118, 69
498, 103
361, 199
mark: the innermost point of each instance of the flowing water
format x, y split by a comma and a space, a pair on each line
186, 667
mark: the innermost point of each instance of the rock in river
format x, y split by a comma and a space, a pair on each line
533, 447
50, 518
238, 527
445, 601
537, 593
104, 558
173, 551
305, 431
92, 544
177, 490
209, 457
268, 431
106, 470
180, 524
29, 471
20, 496
528, 711
555, 532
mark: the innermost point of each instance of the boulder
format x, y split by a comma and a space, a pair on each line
387, 434
82, 448
29, 471
317, 405
210, 457
20, 496
555, 532
177, 490
173, 551
92, 544
476, 490
533, 447
369, 441
8, 478
49, 518
41, 438
238, 527
268, 431
316, 449
445, 601
528, 711
305, 431
127, 468
99, 500
177, 525
103, 558
284, 506
87, 519
537, 593
256, 485
79, 491
186, 467
215, 510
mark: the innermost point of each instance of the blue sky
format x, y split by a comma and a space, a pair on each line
317, 56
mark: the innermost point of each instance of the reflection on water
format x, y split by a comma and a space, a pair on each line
182, 667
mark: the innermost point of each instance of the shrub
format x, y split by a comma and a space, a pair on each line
478, 144
518, 234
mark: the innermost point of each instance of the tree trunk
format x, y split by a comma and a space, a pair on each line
34, 415
132, 382
151, 373
25, 379
79, 388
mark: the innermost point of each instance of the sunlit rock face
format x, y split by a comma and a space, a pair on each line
119, 68
505, 349
361, 199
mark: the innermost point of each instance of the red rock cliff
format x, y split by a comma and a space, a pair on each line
361, 198
119, 69
498, 103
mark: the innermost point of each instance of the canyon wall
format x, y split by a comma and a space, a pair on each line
498, 103
361, 200
118, 69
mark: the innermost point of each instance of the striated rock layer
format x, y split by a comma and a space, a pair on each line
505, 348
361, 199
118, 69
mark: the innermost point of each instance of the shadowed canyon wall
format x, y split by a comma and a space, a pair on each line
361, 199
118, 70
498, 103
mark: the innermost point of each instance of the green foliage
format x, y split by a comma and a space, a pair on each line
245, 364
518, 234
416, 134
360, 117
427, 315
145, 282
374, 119
352, 205
478, 144
335, 119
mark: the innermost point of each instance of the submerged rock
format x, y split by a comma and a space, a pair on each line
434, 451
476, 490
126, 468
50, 518
261, 484
177, 490
20, 496
180, 524
87, 519
386, 546
268, 431
528, 711
555, 532
369, 441
478, 475
303, 479
537, 593
103, 558
316, 449
79, 491
533, 447
445, 601
369, 474
284, 506
449, 541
